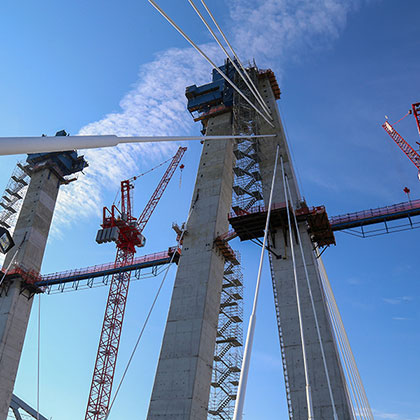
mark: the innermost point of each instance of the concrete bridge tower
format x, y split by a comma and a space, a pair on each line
48, 172
182, 382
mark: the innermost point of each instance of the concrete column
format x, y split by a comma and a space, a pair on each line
182, 382
15, 306
285, 288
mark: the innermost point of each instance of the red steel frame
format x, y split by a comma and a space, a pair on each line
404, 146
129, 238
416, 113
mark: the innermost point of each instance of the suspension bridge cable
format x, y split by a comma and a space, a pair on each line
324, 361
39, 357
359, 382
353, 394
183, 230
351, 391
359, 395
302, 336
358, 385
204, 55
233, 51
290, 146
257, 97
240, 399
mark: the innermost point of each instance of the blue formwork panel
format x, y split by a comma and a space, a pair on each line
218, 92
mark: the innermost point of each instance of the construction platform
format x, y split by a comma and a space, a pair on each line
250, 224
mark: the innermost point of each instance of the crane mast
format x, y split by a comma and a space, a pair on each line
125, 230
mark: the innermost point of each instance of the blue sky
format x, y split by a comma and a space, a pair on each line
103, 67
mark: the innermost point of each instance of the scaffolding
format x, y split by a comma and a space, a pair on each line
12, 198
229, 341
247, 193
247, 185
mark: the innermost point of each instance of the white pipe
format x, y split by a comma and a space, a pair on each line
302, 334
240, 399
204, 55
23, 145
233, 51
257, 97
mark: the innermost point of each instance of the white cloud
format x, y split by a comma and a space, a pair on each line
155, 106
268, 30
392, 416
287, 28
397, 300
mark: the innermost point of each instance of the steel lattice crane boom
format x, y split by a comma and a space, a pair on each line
399, 140
404, 146
416, 113
125, 230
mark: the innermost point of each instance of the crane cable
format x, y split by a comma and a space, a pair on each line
406, 115
324, 361
135, 178
302, 335
183, 230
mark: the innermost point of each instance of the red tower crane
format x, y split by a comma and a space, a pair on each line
125, 230
399, 140
416, 113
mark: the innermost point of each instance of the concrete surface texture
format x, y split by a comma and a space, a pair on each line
284, 284
182, 382
15, 306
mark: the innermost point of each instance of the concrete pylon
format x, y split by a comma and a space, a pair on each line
284, 285
31, 235
182, 382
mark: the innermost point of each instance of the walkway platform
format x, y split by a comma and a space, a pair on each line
44, 283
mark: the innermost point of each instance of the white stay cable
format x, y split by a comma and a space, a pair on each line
240, 399
204, 55
251, 88
302, 336
362, 393
148, 316
233, 51
39, 358
324, 361
352, 392
363, 407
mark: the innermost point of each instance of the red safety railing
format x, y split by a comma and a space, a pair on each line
277, 206
31, 276
378, 212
